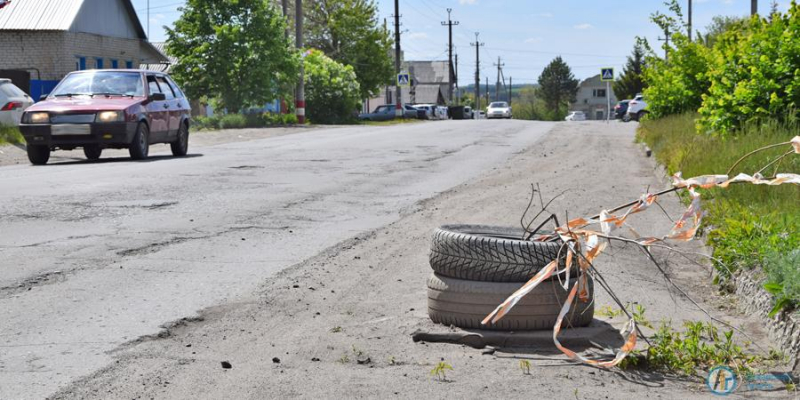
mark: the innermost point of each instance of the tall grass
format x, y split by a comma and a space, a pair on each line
747, 225
10, 135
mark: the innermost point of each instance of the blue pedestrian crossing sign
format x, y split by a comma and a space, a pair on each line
607, 74
403, 79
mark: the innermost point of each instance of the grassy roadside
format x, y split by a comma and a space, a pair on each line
391, 122
748, 226
10, 135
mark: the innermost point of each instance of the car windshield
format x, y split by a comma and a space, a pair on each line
498, 104
101, 83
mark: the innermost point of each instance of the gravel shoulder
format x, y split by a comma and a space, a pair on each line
303, 333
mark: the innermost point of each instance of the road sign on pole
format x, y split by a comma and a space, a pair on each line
607, 76
403, 79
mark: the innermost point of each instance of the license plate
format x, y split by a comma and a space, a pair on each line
70, 129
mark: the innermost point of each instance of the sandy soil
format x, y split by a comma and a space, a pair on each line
304, 333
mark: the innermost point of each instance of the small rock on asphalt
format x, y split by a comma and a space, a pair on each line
226, 365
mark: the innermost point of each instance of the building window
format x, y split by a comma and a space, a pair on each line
114, 64
80, 64
599, 93
98, 63
129, 64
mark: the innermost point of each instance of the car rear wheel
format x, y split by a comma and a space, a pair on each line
181, 145
140, 147
92, 152
38, 155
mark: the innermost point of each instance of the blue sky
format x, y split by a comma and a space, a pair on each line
525, 34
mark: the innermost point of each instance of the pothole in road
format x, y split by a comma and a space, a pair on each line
47, 278
247, 167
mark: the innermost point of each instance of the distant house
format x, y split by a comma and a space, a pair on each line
429, 85
43, 40
593, 98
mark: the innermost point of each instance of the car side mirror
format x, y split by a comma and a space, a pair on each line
158, 97
43, 97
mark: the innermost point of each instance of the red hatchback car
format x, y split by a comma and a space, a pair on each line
102, 109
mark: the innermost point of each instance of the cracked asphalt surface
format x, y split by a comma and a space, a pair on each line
97, 255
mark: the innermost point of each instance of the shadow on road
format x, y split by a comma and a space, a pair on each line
110, 160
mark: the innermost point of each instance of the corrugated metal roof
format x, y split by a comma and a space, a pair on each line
49, 15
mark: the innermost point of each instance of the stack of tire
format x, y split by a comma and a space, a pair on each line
476, 267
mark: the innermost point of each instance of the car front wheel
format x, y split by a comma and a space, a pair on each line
92, 152
140, 147
38, 155
181, 145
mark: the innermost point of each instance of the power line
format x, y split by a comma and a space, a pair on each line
449, 24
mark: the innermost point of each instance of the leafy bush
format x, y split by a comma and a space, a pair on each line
677, 86
10, 134
332, 91
783, 279
233, 121
756, 73
290, 119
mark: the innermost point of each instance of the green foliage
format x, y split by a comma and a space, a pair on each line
783, 279
10, 135
756, 74
699, 348
747, 225
349, 32
528, 105
557, 87
233, 50
233, 121
525, 366
631, 83
238, 121
677, 86
440, 371
332, 91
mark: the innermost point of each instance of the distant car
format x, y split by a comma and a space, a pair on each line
621, 109
441, 112
498, 109
637, 108
13, 101
427, 111
387, 112
101, 109
575, 116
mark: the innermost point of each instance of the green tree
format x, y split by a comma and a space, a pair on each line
630, 83
349, 32
557, 87
332, 92
234, 51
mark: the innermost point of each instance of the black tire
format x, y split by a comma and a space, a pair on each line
488, 253
140, 146
181, 145
92, 152
466, 303
38, 155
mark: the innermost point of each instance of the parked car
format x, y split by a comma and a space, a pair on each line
468, 113
426, 111
387, 112
575, 116
441, 112
637, 108
100, 109
621, 109
498, 109
13, 101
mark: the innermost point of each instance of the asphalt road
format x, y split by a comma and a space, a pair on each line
95, 256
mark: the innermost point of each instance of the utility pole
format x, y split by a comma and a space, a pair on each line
499, 66
300, 96
666, 44
487, 92
690, 20
510, 89
398, 110
458, 89
477, 45
449, 25
753, 7
148, 20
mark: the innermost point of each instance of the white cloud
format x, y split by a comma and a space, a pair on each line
533, 40
417, 36
583, 26
543, 15
467, 1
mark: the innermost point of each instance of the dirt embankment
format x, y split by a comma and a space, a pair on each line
340, 324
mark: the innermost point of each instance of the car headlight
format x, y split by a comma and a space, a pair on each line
36, 118
110, 116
